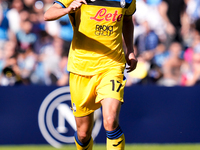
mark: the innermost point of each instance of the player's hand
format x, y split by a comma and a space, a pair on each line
76, 4
131, 61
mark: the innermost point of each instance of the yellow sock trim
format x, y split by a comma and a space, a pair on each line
88, 147
116, 144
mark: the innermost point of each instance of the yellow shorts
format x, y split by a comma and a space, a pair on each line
88, 91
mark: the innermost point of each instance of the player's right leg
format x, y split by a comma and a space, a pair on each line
83, 138
82, 89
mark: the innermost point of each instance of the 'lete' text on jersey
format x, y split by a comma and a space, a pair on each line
97, 42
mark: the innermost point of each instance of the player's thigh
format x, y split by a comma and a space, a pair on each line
110, 110
83, 95
111, 106
111, 85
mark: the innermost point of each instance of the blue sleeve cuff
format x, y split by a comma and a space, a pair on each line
60, 4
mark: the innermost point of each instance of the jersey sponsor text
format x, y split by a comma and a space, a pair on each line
103, 15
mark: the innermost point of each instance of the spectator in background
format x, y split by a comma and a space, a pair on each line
37, 14
48, 71
25, 36
160, 55
191, 74
172, 66
148, 10
155, 72
43, 40
26, 61
52, 60
147, 41
172, 11
14, 15
9, 69
7, 52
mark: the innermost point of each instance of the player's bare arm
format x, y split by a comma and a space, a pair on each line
128, 29
56, 11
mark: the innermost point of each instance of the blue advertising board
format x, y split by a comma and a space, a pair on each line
150, 114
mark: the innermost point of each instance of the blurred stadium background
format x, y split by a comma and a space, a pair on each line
161, 109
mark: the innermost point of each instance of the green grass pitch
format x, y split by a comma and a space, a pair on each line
103, 147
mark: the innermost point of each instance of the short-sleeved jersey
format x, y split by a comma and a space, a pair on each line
97, 42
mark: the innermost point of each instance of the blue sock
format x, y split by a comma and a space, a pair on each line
115, 134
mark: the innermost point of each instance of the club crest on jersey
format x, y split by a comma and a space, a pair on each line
74, 107
122, 3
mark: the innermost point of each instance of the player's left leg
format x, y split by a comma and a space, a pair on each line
115, 136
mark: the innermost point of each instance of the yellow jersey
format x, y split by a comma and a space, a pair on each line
97, 41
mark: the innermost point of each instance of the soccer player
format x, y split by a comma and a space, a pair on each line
97, 62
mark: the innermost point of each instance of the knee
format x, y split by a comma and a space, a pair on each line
83, 136
110, 122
